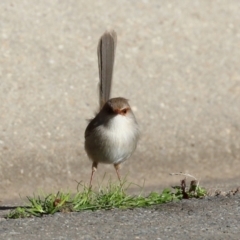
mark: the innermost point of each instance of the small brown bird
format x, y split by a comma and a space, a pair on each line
111, 137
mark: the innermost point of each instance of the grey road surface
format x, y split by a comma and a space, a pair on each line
212, 218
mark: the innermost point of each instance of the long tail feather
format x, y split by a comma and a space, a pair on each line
106, 54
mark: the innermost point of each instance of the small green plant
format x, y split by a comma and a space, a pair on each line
109, 197
193, 191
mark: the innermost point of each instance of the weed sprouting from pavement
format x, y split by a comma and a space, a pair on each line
105, 197
193, 191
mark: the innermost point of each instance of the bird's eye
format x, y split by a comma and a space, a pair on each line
124, 111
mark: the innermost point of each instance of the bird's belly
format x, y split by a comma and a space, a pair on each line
111, 146
111, 150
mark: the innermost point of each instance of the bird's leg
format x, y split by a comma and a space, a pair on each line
117, 168
94, 169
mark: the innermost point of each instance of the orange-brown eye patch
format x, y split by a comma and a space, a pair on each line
124, 111
121, 111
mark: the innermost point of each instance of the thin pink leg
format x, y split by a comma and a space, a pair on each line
94, 169
117, 167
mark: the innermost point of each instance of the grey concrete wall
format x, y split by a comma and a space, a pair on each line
177, 61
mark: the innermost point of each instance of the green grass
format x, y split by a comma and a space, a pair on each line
109, 197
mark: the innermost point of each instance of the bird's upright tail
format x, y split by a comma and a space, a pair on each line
106, 54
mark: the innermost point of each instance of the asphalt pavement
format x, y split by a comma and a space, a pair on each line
211, 218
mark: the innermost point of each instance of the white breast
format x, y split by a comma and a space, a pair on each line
121, 134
